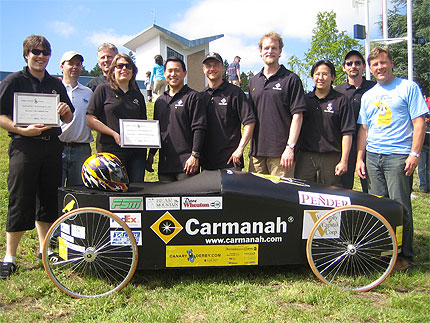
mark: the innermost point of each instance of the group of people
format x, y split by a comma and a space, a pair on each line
323, 136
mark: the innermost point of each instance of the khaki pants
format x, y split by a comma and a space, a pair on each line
269, 166
318, 167
237, 83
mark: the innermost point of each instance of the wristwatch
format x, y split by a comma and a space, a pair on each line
292, 146
195, 154
413, 153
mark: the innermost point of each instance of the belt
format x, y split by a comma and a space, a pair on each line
45, 138
74, 144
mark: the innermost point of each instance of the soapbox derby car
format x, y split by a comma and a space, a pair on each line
218, 219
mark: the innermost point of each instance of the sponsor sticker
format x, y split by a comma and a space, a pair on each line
213, 255
125, 203
67, 237
166, 227
75, 247
62, 249
120, 238
69, 203
323, 200
202, 203
399, 235
78, 231
286, 180
162, 203
133, 220
64, 227
329, 229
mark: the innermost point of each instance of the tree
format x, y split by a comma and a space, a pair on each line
84, 71
397, 27
225, 73
96, 71
328, 43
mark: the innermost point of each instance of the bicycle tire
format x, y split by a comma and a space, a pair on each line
89, 252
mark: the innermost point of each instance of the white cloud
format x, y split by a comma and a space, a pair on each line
62, 28
110, 36
243, 22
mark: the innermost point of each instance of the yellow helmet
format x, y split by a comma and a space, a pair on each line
105, 171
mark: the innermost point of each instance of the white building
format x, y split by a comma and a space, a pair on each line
157, 40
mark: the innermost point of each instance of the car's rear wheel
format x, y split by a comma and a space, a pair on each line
352, 247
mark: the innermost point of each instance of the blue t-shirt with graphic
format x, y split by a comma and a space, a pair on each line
388, 111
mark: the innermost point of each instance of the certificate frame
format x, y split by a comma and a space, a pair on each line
36, 108
137, 133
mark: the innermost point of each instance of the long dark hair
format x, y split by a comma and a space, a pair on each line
111, 74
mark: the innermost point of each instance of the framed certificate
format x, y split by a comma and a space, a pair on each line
35, 108
137, 133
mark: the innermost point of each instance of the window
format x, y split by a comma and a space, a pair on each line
172, 52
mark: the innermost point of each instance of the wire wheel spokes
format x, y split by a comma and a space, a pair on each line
352, 247
89, 252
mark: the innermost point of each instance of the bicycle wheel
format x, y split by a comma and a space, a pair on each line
89, 252
352, 247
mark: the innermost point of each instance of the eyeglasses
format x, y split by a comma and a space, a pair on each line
121, 66
37, 52
357, 63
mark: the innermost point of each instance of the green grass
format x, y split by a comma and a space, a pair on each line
252, 294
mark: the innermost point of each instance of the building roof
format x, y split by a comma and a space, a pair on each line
155, 31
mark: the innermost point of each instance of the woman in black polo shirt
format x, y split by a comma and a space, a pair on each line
120, 98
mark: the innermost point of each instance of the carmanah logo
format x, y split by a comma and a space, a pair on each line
166, 227
125, 203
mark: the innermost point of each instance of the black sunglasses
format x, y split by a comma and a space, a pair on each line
357, 63
121, 66
37, 52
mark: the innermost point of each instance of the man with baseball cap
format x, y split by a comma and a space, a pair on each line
233, 71
76, 135
356, 85
227, 108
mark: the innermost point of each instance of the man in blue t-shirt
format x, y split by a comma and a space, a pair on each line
234, 72
392, 124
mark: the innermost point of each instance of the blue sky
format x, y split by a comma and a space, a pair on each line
82, 25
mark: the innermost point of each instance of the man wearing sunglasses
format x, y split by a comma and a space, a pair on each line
355, 86
34, 152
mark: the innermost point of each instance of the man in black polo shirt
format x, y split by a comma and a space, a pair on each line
328, 126
354, 66
105, 55
227, 108
277, 98
182, 118
34, 152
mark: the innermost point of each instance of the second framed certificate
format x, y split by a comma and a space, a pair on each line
137, 133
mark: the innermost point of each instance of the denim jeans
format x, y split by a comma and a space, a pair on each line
73, 158
386, 177
424, 169
134, 160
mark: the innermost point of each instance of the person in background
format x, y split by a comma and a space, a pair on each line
119, 99
233, 71
390, 138
227, 109
34, 152
354, 65
148, 86
182, 118
424, 160
105, 54
277, 98
157, 77
76, 135
328, 126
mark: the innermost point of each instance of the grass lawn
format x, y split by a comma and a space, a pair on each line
256, 294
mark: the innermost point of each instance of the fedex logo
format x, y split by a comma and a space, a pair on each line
133, 220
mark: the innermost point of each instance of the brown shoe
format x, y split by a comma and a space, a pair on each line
401, 264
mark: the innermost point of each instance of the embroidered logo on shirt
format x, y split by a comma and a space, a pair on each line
223, 101
179, 104
329, 108
85, 100
277, 87
136, 101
